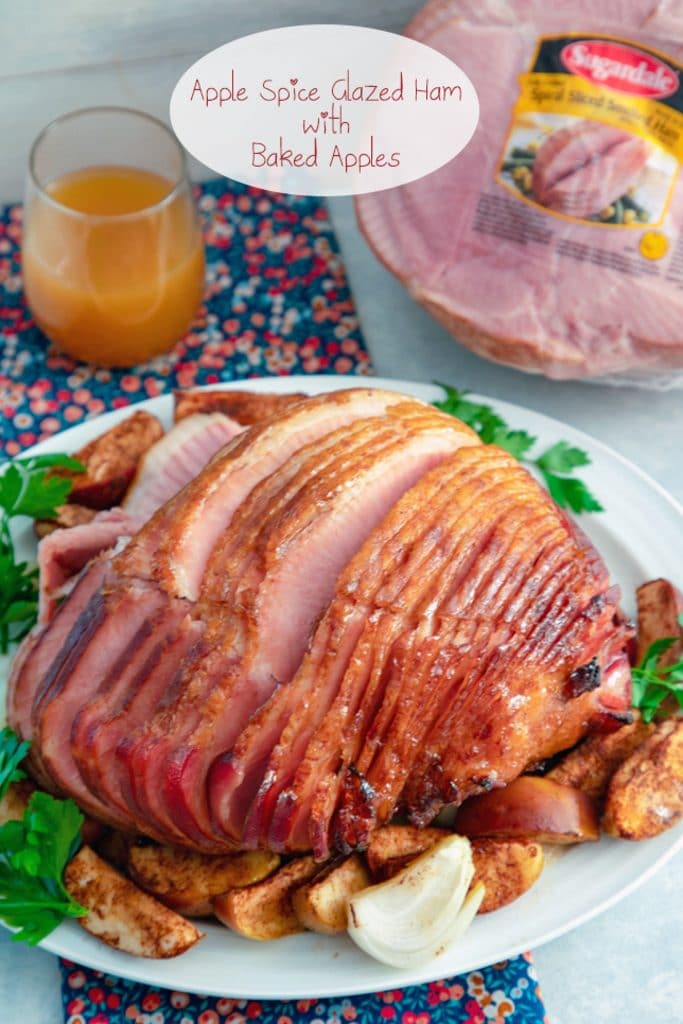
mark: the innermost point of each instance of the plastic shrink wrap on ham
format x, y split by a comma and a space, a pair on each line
553, 242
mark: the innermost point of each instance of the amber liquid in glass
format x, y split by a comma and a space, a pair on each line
120, 280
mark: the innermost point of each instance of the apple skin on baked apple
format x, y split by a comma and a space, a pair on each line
531, 807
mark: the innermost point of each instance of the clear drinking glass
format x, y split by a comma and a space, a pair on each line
113, 259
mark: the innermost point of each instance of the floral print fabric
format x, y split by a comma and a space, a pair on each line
505, 993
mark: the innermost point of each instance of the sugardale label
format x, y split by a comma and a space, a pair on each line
596, 134
620, 67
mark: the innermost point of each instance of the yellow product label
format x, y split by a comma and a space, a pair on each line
597, 132
564, 94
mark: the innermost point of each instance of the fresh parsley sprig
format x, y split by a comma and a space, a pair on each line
12, 753
28, 487
653, 683
33, 854
556, 464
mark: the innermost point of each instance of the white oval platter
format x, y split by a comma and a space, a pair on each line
640, 536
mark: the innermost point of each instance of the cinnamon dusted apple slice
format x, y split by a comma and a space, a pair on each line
645, 795
111, 460
122, 915
507, 868
530, 808
264, 911
15, 800
660, 604
393, 847
187, 881
321, 905
590, 766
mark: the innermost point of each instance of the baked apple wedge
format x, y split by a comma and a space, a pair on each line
111, 460
187, 881
660, 604
321, 905
264, 911
507, 868
122, 915
531, 808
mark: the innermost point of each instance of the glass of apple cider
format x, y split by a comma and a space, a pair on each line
113, 259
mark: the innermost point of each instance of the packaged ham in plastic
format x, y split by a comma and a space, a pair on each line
554, 241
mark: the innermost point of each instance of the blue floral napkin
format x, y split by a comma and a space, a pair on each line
506, 993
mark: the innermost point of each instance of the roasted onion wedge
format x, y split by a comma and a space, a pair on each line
421, 911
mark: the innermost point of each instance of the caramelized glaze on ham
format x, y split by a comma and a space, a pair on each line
356, 606
342, 487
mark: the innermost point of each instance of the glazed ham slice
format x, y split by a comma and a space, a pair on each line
176, 459
43, 650
175, 545
377, 607
246, 407
63, 553
111, 638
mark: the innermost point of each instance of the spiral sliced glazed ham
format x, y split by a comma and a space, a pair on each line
260, 631
355, 607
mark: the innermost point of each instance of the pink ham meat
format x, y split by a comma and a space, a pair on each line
175, 460
355, 606
164, 470
581, 170
570, 299
63, 553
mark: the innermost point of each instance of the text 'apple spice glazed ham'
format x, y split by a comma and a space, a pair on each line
356, 607
554, 242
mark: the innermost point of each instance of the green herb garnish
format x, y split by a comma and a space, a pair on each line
556, 464
28, 487
33, 854
653, 683
12, 753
